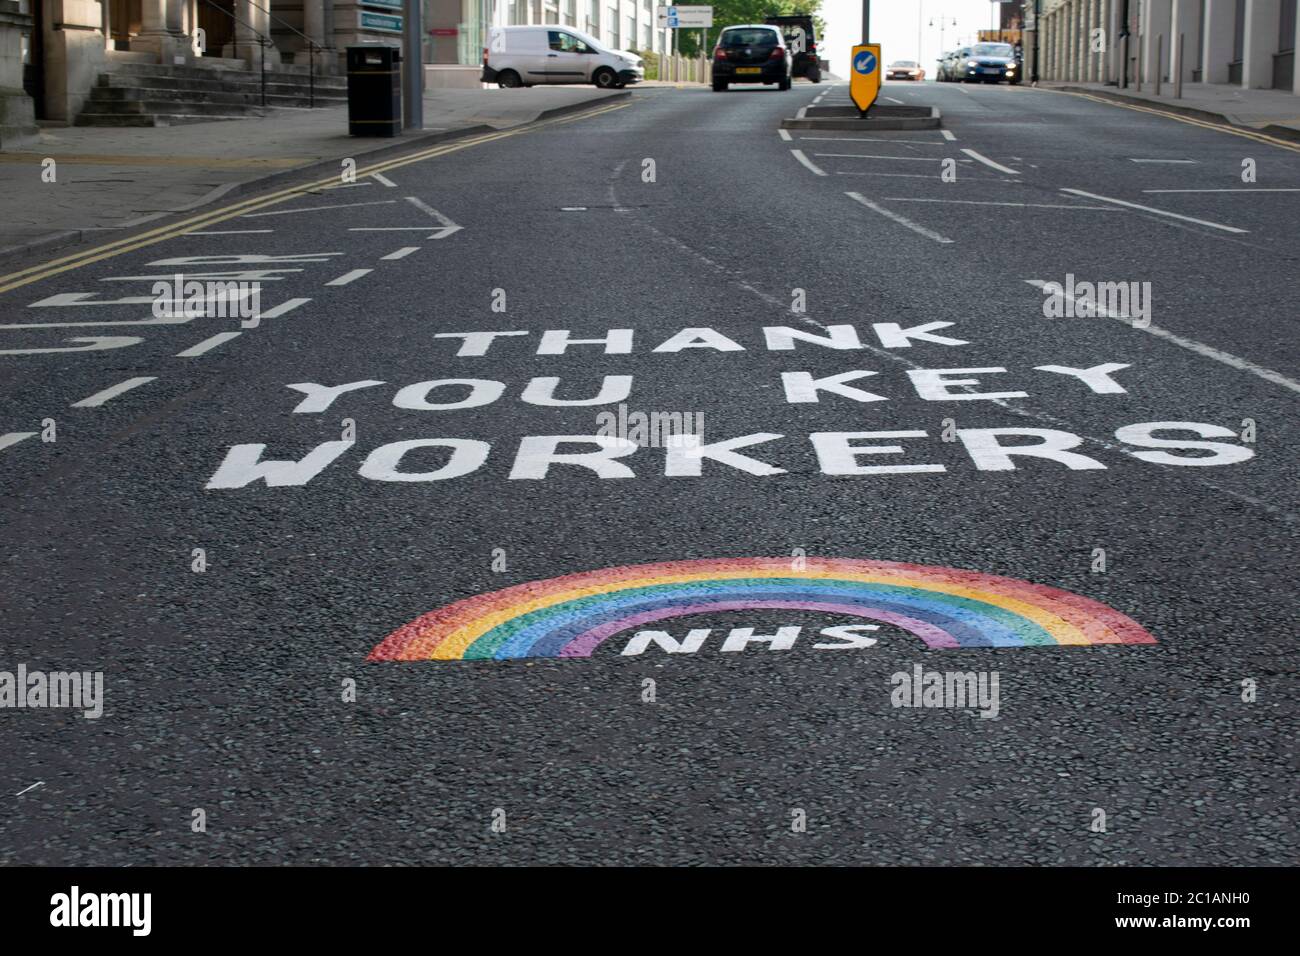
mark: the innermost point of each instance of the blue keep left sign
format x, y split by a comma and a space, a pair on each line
865, 62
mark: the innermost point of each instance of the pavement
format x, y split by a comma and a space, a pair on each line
1270, 111
110, 178
236, 524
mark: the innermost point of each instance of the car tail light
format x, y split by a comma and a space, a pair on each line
485, 56
719, 54
812, 47
778, 53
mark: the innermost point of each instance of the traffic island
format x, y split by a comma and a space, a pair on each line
879, 117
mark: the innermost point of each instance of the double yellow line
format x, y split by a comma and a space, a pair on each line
1190, 120
75, 261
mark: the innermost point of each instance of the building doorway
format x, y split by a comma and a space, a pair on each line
217, 19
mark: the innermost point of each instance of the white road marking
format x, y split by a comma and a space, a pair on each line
207, 345
840, 172
1151, 209
346, 205
989, 163
384, 179
1247, 189
798, 154
784, 134
802, 111
388, 229
351, 276
229, 232
573, 209
1200, 348
99, 398
890, 99
13, 438
980, 202
98, 343
1189, 162
38, 783
901, 159
947, 134
448, 227
901, 220
871, 139
401, 253
284, 307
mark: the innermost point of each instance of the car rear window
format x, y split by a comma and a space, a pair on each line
753, 37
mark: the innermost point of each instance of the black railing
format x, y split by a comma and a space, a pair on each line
264, 41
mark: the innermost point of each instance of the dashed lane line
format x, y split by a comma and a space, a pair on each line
13, 438
207, 345
108, 394
901, 159
283, 308
385, 180
982, 202
351, 276
947, 134
401, 253
346, 205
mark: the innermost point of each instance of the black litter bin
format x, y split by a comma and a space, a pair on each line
374, 90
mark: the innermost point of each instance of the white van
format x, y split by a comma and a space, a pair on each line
527, 56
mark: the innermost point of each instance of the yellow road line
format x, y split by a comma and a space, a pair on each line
150, 237
1190, 120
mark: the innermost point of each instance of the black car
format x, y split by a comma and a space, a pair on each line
801, 42
753, 53
989, 63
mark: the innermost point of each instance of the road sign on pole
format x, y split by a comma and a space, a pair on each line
864, 79
675, 18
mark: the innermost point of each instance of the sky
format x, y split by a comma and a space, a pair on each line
894, 26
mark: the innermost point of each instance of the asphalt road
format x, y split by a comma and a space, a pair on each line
224, 690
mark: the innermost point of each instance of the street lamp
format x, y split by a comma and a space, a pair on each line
943, 23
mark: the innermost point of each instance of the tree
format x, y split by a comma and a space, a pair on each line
728, 13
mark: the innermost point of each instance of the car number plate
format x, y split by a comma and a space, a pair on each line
990, 69
749, 69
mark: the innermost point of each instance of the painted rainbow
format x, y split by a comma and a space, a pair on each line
570, 616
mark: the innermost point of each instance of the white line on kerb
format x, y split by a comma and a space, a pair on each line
947, 134
13, 438
207, 345
384, 179
286, 306
901, 220
351, 276
1200, 348
401, 253
1151, 209
989, 163
798, 154
99, 398
784, 134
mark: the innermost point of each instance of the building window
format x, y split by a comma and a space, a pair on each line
1286, 20
613, 27
629, 31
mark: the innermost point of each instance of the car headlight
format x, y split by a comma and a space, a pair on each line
1011, 69
971, 63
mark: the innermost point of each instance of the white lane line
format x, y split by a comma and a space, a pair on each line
228, 232
388, 229
872, 139
798, 154
901, 220
901, 159
448, 227
348, 185
1188, 162
384, 179
573, 209
840, 172
13, 438
401, 253
983, 202
1152, 209
284, 307
99, 398
1247, 189
207, 345
38, 783
947, 134
890, 99
351, 276
1200, 348
346, 205
989, 163
802, 111
784, 134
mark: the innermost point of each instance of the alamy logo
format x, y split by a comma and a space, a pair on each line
652, 429
952, 689
75, 908
192, 299
78, 690
1116, 300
